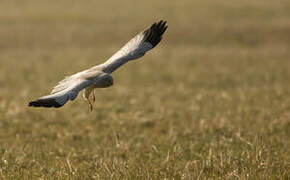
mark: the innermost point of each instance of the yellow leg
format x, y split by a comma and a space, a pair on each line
90, 104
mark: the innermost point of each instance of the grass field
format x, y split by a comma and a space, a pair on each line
212, 101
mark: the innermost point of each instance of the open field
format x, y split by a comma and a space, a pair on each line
212, 101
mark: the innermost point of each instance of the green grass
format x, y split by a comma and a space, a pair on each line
212, 101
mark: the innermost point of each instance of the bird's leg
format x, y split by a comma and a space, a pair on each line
90, 104
86, 96
93, 101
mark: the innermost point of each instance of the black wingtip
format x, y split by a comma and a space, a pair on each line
44, 103
153, 35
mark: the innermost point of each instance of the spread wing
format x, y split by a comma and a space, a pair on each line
66, 90
69, 88
136, 47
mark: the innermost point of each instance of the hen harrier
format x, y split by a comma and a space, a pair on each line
99, 76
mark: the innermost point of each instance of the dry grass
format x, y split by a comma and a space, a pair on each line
212, 101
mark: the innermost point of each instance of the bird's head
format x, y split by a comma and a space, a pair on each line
104, 80
108, 81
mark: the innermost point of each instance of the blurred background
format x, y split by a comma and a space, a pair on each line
211, 100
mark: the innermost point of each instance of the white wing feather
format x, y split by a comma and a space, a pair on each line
59, 98
67, 82
136, 47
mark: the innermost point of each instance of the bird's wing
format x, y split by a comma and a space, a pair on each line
136, 47
66, 90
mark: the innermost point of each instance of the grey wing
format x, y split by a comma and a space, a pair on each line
66, 90
136, 47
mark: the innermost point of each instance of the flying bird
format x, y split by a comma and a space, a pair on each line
100, 76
